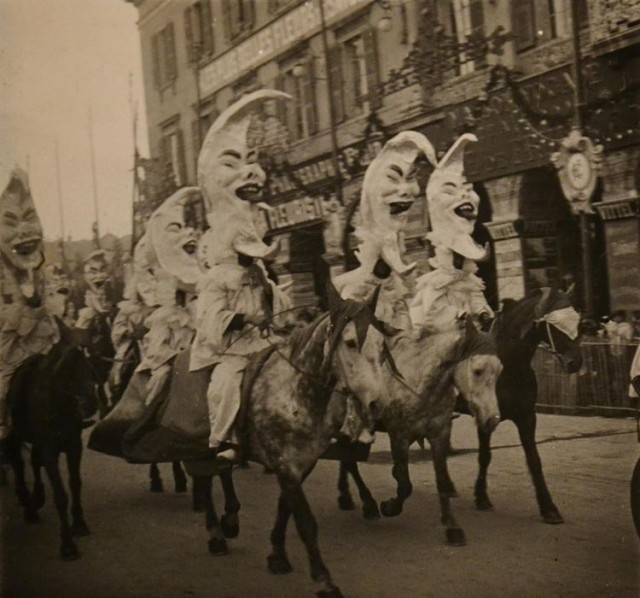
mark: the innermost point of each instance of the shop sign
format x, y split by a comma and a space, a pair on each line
352, 161
270, 41
295, 212
623, 248
578, 163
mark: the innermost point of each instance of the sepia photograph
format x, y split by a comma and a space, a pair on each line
334, 298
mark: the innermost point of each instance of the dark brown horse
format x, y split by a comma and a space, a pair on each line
542, 317
49, 396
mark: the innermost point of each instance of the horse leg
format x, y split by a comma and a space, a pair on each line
400, 471
345, 502
217, 544
448, 487
68, 548
369, 505
179, 477
197, 494
229, 522
440, 449
13, 449
308, 532
483, 503
278, 562
38, 485
156, 481
79, 526
527, 431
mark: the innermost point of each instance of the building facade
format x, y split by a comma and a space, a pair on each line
362, 70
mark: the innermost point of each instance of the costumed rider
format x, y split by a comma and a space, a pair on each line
165, 275
390, 188
26, 327
452, 288
57, 289
237, 304
97, 305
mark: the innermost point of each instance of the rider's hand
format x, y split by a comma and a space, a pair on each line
138, 332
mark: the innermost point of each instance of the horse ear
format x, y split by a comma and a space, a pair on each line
571, 290
373, 303
333, 298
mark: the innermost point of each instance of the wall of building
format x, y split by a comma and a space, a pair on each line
519, 119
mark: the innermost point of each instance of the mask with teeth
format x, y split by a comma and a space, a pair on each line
95, 271
170, 239
389, 189
453, 204
20, 228
56, 290
231, 179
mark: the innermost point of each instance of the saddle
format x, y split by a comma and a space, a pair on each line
175, 426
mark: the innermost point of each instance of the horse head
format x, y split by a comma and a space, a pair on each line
356, 349
557, 325
476, 373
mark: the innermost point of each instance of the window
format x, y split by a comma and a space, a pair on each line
467, 23
238, 16
300, 115
198, 29
163, 51
538, 21
208, 114
353, 66
277, 5
172, 154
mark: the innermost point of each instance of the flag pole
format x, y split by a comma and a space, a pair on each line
63, 257
96, 209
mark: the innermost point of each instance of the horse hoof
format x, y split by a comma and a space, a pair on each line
456, 537
156, 486
370, 511
218, 546
80, 529
69, 552
484, 504
391, 507
345, 503
278, 565
552, 517
230, 525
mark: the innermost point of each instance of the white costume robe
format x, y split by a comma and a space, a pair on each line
227, 291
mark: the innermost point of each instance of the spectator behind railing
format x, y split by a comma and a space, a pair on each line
619, 332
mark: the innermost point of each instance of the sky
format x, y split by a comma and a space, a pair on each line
64, 63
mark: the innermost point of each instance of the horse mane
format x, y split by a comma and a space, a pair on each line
516, 317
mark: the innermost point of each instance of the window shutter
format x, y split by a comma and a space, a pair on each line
523, 18
351, 80
309, 98
476, 16
155, 57
188, 34
282, 108
181, 165
248, 13
165, 150
335, 71
373, 68
207, 27
292, 110
170, 53
195, 136
226, 19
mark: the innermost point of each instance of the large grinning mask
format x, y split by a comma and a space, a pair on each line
171, 241
95, 270
20, 228
453, 204
389, 189
232, 181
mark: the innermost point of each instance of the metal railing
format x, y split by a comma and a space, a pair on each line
600, 388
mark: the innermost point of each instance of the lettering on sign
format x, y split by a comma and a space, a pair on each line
295, 212
270, 41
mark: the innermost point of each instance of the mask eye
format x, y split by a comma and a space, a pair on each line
351, 343
174, 227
